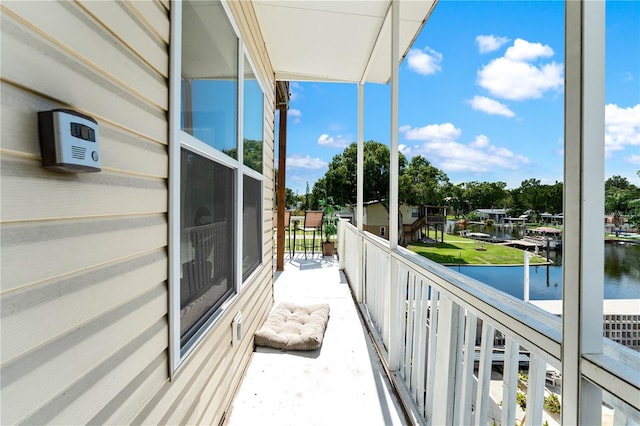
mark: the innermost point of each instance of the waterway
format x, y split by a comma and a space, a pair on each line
621, 275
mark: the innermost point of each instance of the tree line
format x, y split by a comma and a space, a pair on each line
421, 183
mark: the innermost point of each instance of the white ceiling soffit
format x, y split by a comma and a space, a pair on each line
333, 40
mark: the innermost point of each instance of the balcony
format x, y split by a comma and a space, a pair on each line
454, 348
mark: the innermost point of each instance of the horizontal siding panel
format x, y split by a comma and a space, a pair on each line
171, 405
221, 388
65, 247
199, 399
70, 26
119, 150
53, 369
30, 192
74, 300
124, 24
155, 15
131, 153
165, 4
209, 359
107, 380
128, 403
25, 55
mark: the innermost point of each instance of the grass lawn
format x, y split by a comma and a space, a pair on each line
462, 251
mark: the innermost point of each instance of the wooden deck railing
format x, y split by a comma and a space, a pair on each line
435, 329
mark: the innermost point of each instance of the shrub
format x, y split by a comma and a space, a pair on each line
521, 400
552, 404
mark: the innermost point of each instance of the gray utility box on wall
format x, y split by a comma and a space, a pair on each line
69, 141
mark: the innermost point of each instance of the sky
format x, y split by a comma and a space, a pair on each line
481, 97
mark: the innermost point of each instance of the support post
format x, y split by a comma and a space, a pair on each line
583, 257
282, 103
359, 279
395, 305
360, 160
393, 167
526, 277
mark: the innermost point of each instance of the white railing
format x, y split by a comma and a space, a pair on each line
204, 259
437, 331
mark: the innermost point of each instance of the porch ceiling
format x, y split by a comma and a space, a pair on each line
341, 41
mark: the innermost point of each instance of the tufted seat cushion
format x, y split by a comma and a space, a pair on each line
294, 327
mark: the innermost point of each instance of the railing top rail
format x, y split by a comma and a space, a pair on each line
615, 370
527, 323
540, 331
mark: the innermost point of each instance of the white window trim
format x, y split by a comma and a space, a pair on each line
179, 139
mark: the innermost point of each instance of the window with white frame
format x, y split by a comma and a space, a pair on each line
383, 231
219, 168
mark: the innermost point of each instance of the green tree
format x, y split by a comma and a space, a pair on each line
616, 182
453, 197
252, 154
422, 183
622, 198
479, 195
290, 198
340, 180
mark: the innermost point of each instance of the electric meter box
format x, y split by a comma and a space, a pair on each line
69, 141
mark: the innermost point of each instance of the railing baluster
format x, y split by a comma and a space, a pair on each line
510, 381
535, 390
444, 382
431, 354
459, 362
419, 347
410, 332
484, 375
468, 381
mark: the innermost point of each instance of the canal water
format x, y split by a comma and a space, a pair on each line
621, 273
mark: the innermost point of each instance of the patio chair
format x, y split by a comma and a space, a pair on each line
312, 223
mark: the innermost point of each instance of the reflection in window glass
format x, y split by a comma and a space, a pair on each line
209, 75
253, 119
206, 240
252, 226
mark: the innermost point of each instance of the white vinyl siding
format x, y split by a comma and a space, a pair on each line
84, 265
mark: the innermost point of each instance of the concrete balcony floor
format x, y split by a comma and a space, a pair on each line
342, 383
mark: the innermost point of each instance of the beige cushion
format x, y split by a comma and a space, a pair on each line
294, 327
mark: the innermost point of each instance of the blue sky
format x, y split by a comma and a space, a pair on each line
481, 97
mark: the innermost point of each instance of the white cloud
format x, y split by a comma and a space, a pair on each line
306, 162
634, 159
516, 80
425, 62
489, 43
445, 152
481, 141
627, 76
621, 127
522, 50
295, 115
490, 106
404, 149
337, 141
514, 77
457, 157
294, 91
432, 132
